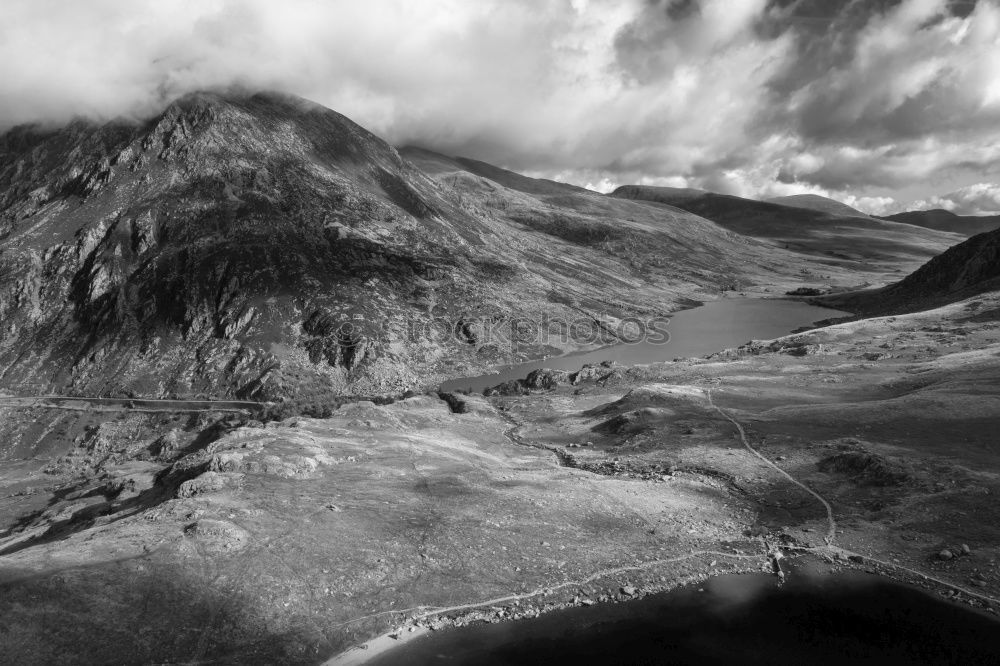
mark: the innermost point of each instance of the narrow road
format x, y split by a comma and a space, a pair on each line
81, 403
831, 531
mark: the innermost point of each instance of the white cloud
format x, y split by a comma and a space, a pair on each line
528, 84
600, 92
873, 205
978, 199
916, 95
913, 70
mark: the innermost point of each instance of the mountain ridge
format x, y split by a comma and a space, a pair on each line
945, 220
858, 241
818, 203
219, 249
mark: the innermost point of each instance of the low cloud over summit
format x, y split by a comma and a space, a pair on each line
875, 103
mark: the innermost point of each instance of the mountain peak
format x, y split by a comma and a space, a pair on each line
240, 96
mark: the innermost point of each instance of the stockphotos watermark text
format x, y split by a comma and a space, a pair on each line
540, 330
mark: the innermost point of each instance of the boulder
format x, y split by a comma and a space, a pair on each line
588, 373
546, 378
218, 536
460, 403
513, 387
209, 482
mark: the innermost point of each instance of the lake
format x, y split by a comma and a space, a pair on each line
844, 618
699, 331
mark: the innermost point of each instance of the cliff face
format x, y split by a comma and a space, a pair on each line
161, 257
264, 246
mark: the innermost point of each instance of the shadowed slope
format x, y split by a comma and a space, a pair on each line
968, 269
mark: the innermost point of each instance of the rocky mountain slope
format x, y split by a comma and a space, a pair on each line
945, 220
169, 258
262, 246
859, 242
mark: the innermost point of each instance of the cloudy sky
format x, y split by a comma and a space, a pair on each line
883, 104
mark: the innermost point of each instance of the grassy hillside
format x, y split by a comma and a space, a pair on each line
861, 243
818, 203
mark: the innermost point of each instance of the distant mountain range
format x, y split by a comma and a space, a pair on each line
814, 225
945, 220
968, 269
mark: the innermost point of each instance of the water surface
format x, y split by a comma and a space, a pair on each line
703, 330
820, 619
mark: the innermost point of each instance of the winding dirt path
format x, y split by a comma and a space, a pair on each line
831, 532
830, 548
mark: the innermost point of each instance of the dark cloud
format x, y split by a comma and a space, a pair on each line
757, 97
916, 69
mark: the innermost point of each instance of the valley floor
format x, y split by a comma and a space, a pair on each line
869, 444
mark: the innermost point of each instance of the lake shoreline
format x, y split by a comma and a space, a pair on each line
795, 566
663, 351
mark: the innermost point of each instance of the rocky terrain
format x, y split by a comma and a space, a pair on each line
190, 471
295, 540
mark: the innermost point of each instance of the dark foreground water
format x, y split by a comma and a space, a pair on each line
830, 619
703, 330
